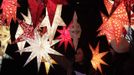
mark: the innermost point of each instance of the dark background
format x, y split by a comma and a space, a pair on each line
88, 12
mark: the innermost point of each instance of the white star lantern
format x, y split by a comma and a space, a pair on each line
56, 22
75, 30
40, 47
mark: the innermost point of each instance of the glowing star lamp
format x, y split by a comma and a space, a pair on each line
113, 26
9, 8
97, 58
4, 40
40, 47
65, 37
75, 30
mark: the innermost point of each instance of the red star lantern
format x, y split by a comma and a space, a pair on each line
108, 5
65, 37
64, 2
106, 29
113, 27
51, 6
51, 10
36, 9
28, 31
128, 5
9, 8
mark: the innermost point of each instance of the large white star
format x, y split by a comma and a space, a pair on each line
40, 47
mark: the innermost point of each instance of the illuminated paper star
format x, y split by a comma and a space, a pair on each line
97, 58
56, 22
28, 31
65, 37
4, 40
106, 29
9, 8
51, 6
113, 27
128, 5
51, 10
40, 47
46, 23
75, 30
28, 20
47, 65
36, 8
108, 4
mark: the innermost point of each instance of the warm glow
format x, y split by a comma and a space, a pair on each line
97, 58
65, 37
9, 8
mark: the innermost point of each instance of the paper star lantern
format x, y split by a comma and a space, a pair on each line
4, 40
113, 27
51, 29
97, 58
108, 4
65, 37
36, 8
106, 29
75, 30
9, 8
28, 32
51, 10
40, 47
51, 6
56, 22
128, 5
19, 32
46, 23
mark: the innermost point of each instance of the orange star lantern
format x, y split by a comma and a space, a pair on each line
113, 26
96, 60
108, 4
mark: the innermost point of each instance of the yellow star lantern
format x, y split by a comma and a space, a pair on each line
97, 58
47, 65
4, 39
